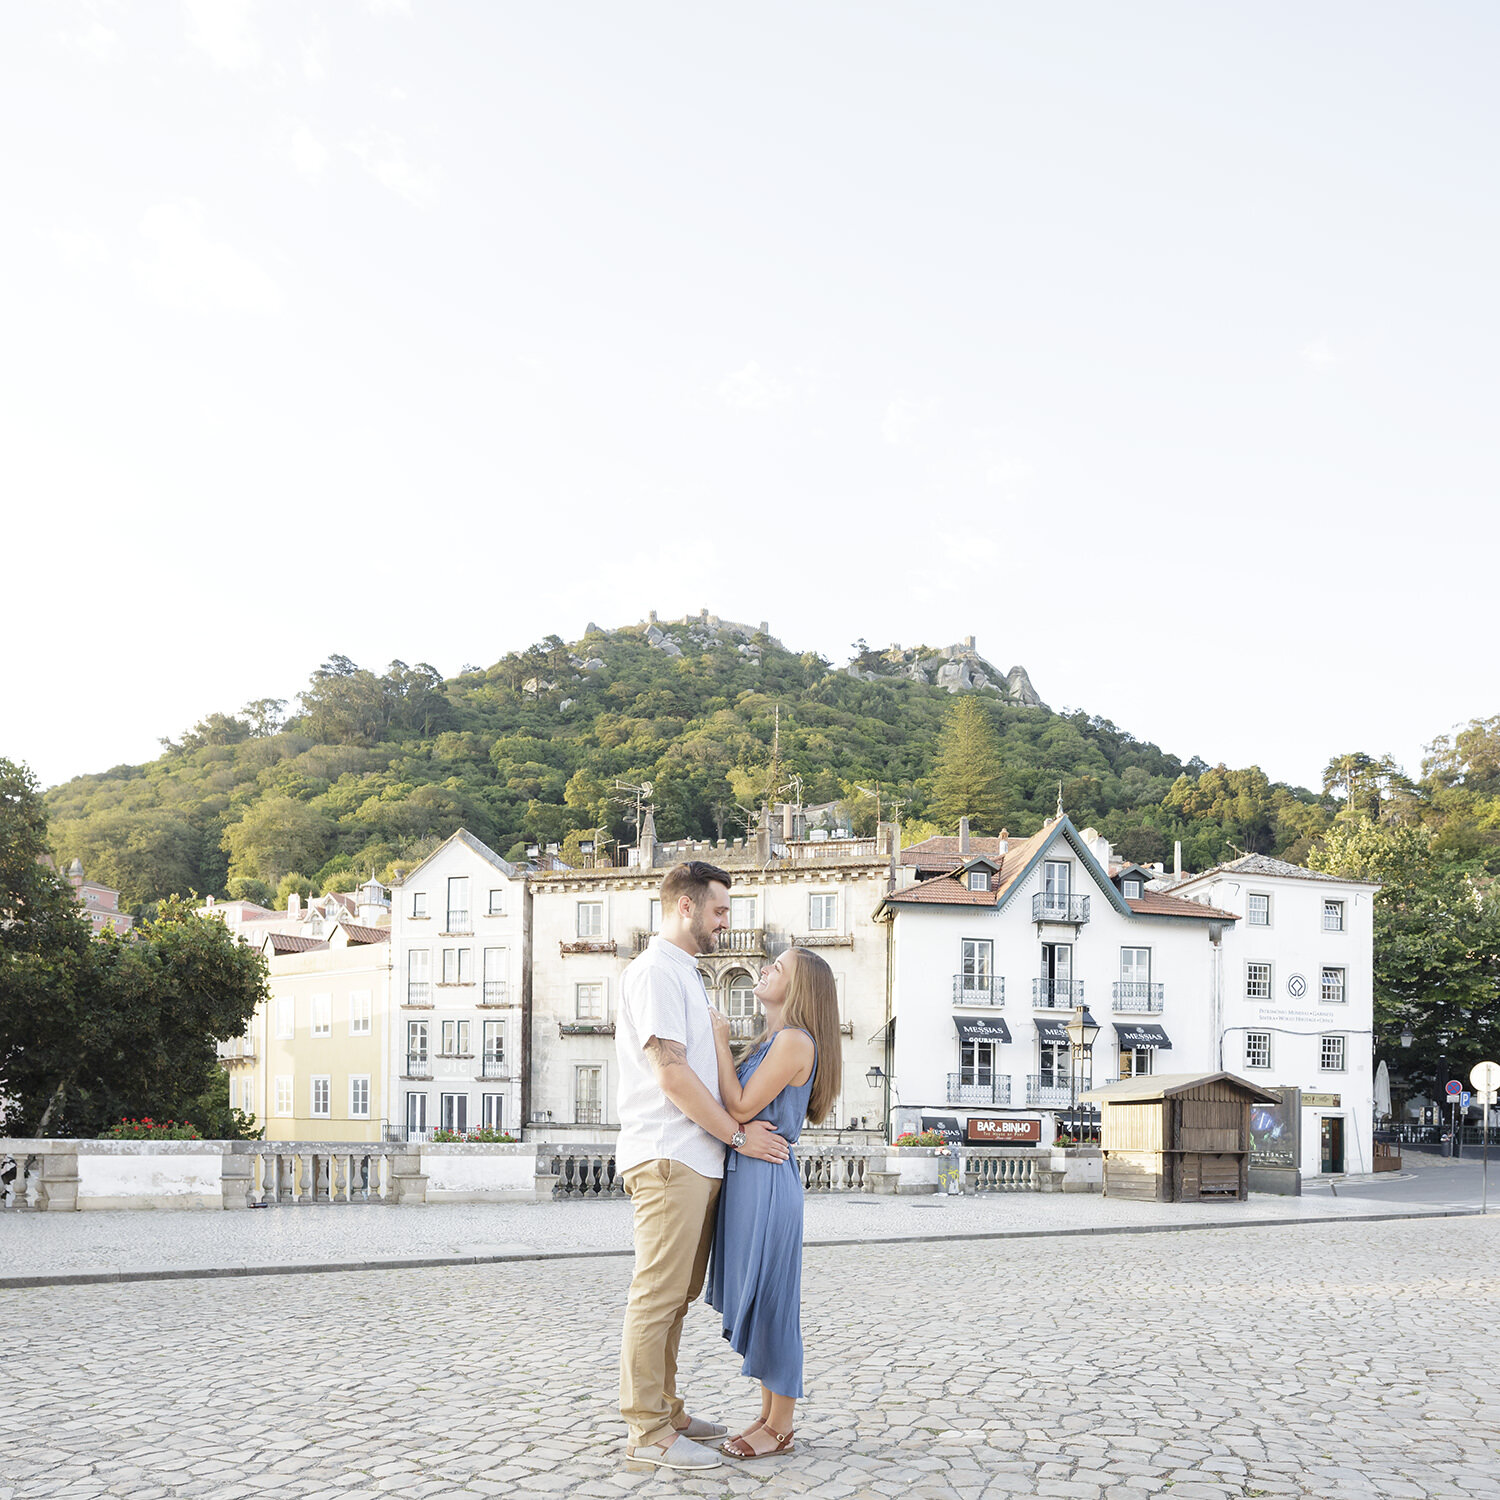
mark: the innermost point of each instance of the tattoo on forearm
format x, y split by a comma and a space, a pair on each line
664, 1053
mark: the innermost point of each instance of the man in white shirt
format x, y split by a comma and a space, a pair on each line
670, 1152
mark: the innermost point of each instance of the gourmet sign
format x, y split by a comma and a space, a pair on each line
1005, 1132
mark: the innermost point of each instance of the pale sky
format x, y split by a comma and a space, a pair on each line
1152, 344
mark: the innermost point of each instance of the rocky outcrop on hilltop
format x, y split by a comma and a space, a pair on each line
959, 668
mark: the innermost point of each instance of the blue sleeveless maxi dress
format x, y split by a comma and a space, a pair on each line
755, 1274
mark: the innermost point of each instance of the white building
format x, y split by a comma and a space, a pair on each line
1297, 981
589, 924
459, 939
995, 942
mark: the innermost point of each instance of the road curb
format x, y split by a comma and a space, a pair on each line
521, 1253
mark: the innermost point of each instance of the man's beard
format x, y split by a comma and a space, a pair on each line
703, 931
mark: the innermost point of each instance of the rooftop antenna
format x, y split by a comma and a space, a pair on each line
635, 796
1059, 800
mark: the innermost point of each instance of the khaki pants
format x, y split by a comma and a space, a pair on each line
674, 1222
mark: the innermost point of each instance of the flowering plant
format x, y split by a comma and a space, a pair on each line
485, 1135
147, 1129
919, 1138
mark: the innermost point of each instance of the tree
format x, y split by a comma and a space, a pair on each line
275, 835
967, 781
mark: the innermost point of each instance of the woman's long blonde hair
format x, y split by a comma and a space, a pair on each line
812, 1002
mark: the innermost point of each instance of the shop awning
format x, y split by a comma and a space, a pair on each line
1141, 1034
948, 1125
1051, 1029
981, 1029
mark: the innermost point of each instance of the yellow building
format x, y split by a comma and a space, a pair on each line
314, 1063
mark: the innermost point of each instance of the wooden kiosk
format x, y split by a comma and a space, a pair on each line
1177, 1137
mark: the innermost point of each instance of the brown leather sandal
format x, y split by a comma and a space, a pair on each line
783, 1445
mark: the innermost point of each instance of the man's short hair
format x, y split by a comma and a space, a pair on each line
692, 880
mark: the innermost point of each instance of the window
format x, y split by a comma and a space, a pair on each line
1258, 910
359, 1012
456, 1039
419, 904
655, 918
320, 1093
742, 912
418, 976
453, 1112
977, 964
416, 1114
590, 919
497, 903
359, 1096
1055, 987
492, 1111
1257, 1049
588, 1095
976, 1063
494, 1048
1056, 877
322, 1015
823, 912
1333, 986
588, 1001
742, 1005
286, 1016
1331, 1059
458, 903
979, 880
458, 966
1135, 966
1333, 916
1130, 889
1257, 981
416, 1047
1135, 1062
1054, 1064
495, 967
283, 1094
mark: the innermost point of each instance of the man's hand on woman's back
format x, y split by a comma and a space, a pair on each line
763, 1143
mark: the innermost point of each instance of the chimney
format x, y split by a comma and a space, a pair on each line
763, 835
1177, 860
788, 822
963, 835
1004, 840
648, 838
294, 904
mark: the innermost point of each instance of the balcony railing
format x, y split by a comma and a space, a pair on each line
978, 989
457, 921
1138, 996
976, 1089
603, 945
418, 1065
237, 1047
1056, 906
747, 940
742, 1028
494, 992
1045, 1090
587, 1113
1056, 994
418, 992
642, 939
493, 1067
584, 1026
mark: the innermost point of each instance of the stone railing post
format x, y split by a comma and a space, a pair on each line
236, 1180
57, 1183
408, 1183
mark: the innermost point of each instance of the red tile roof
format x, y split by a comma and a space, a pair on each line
1156, 904
358, 934
291, 942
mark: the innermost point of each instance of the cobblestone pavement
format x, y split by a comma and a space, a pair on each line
1333, 1360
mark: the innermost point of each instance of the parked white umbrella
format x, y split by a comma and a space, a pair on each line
1382, 1091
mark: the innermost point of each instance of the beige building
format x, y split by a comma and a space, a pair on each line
314, 1063
587, 925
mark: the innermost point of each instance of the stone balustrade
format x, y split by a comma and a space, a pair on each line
70, 1175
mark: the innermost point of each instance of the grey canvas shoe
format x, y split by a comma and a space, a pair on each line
698, 1428
683, 1454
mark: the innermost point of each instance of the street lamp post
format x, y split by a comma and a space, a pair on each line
1082, 1030
877, 1077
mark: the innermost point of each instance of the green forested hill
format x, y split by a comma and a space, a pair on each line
369, 768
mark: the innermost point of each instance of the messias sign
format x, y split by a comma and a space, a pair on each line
1005, 1132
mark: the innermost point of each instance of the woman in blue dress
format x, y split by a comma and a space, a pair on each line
791, 1073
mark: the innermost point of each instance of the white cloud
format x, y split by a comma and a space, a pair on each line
81, 248
753, 389
397, 94
307, 154
904, 419
193, 273
1319, 352
384, 157
94, 37
389, 7
1007, 473
222, 30
313, 67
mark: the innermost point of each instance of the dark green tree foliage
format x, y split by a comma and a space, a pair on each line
93, 1029
967, 781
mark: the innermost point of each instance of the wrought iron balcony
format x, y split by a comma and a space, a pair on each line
1056, 994
603, 945
493, 1067
418, 1065
419, 992
457, 921
587, 1113
642, 939
978, 989
494, 992
750, 941
585, 1027
1137, 997
973, 1087
1054, 906
1045, 1089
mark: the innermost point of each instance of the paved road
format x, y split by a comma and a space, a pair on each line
1325, 1360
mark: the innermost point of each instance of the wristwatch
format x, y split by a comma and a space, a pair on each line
737, 1140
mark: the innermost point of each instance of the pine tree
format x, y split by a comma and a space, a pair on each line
967, 781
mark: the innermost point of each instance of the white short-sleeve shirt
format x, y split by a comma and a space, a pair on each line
662, 995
